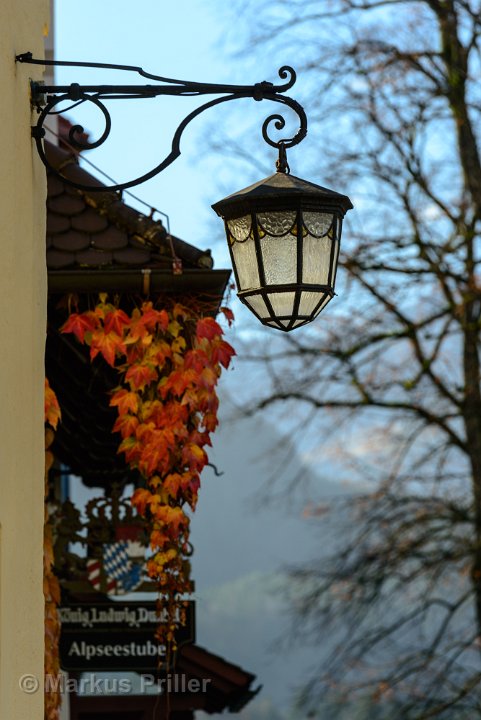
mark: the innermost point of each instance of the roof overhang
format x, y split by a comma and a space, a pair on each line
141, 281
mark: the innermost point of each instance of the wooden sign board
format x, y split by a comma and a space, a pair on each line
114, 636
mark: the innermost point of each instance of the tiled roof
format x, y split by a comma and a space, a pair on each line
98, 230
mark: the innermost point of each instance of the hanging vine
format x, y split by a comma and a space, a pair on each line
51, 588
169, 362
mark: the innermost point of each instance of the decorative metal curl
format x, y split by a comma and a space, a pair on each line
78, 130
280, 123
46, 98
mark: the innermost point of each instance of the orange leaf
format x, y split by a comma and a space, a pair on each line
80, 324
191, 399
125, 401
51, 406
223, 353
179, 381
144, 432
139, 323
115, 321
180, 311
228, 314
140, 498
210, 422
196, 359
190, 483
158, 539
173, 517
194, 456
157, 353
208, 328
107, 345
139, 375
208, 378
152, 410
172, 483
132, 449
151, 318
153, 458
126, 425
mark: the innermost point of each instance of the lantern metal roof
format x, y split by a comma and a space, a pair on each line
279, 188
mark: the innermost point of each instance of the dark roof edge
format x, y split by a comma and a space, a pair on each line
139, 281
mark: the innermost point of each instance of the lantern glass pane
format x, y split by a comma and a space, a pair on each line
240, 228
323, 305
279, 255
317, 224
277, 223
282, 303
257, 303
245, 259
316, 260
335, 260
308, 302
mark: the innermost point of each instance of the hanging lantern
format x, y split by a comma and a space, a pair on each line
283, 235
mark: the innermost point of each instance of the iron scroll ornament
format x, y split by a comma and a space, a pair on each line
46, 98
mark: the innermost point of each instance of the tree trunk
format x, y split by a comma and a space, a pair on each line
455, 58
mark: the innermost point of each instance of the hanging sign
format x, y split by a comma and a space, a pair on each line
115, 636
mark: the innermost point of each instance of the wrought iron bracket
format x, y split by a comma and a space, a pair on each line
46, 98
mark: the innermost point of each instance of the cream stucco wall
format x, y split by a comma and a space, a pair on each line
22, 338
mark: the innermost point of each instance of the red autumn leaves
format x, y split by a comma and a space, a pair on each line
169, 363
51, 587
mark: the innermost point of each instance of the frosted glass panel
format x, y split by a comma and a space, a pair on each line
256, 302
246, 263
317, 223
336, 258
308, 302
297, 323
282, 303
277, 223
240, 228
317, 254
323, 305
280, 259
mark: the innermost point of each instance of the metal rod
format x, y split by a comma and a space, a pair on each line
75, 91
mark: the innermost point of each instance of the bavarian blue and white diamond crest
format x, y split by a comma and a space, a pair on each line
118, 566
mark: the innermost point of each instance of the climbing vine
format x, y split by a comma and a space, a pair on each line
51, 588
168, 361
